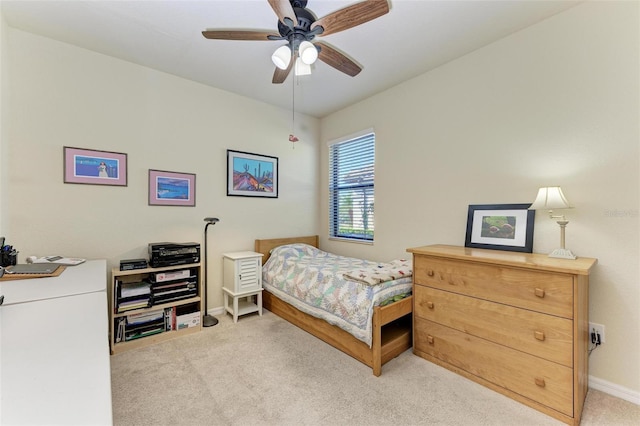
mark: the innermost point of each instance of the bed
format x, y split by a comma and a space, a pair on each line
390, 324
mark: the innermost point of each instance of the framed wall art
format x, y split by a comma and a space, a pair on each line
251, 175
500, 227
94, 167
172, 188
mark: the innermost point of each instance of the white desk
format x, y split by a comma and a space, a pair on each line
54, 353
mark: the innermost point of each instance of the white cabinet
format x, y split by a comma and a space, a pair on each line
242, 271
55, 354
242, 283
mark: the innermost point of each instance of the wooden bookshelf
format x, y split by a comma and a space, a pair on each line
118, 341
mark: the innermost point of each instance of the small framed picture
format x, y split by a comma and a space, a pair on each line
94, 167
172, 188
500, 227
252, 175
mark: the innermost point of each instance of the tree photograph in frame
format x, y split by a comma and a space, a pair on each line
500, 227
93, 167
171, 188
251, 175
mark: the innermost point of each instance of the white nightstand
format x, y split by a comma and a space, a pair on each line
242, 281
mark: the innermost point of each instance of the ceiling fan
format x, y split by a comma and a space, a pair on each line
299, 26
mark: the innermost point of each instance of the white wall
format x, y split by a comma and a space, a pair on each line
555, 104
61, 95
3, 74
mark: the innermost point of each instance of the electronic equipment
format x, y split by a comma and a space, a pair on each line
169, 254
131, 264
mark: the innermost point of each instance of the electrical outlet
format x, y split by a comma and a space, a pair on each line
598, 328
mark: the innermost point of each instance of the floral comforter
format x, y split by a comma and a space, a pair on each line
313, 281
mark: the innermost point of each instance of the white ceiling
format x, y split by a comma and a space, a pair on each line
414, 37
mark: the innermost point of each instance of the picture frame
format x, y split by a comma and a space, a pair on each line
172, 188
500, 227
94, 167
251, 175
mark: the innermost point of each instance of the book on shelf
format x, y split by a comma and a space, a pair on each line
129, 305
171, 285
120, 325
134, 289
173, 291
170, 318
144, 317
159, 277
132, 295
134, 326
143, 332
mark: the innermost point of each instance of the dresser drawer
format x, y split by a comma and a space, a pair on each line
540, 380
546, 292
542, 335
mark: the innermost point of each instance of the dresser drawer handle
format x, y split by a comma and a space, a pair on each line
539, 335
540, 382
430, 339
430, 305
430, 273
540, 292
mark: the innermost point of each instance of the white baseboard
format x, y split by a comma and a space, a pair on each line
216, 311
614, 390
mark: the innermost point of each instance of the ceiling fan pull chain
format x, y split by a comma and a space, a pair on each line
292, 137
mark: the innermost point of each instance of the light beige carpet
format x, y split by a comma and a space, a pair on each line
265, 371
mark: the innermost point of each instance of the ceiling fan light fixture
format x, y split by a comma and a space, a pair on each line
307, 52
282, 57
301, 68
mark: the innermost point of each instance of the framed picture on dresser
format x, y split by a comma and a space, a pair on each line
500, 227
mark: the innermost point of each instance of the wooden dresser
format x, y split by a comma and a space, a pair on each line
514, 322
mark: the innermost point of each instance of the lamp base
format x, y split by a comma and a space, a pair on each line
562, 254
209, 321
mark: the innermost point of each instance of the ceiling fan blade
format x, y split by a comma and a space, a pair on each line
238, 35
339, 61
283, 9
352, 16
280, 75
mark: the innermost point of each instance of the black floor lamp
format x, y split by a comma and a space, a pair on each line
207, 320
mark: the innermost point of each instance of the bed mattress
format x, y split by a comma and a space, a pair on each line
314, 281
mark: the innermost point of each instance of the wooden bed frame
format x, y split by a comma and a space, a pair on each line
391, 323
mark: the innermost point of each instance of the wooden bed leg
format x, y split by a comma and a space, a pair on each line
376, 345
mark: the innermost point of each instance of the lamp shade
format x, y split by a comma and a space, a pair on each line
301, 68
307, 52
282, 57
550, 198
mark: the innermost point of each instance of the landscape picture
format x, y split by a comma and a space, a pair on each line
498, 227
252, 175
172, 188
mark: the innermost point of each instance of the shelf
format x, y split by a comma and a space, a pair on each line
245, 307
158, 307
117, 271
153, 339
144, 275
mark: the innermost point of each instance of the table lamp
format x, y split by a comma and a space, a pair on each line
551, 198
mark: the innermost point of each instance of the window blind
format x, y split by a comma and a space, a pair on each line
351, 188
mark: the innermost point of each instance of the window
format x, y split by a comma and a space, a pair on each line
351, 195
